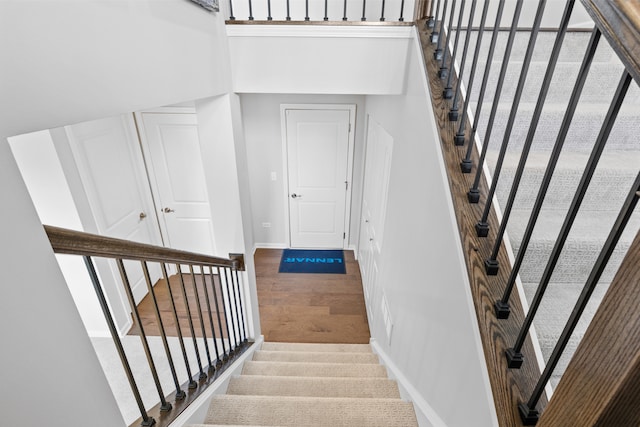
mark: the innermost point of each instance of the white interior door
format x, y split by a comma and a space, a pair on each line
318, 158
374, 205
111, 169
172, 150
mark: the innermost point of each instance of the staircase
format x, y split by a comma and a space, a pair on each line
311, 384
611, 182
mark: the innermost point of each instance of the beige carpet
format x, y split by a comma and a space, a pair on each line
311, 385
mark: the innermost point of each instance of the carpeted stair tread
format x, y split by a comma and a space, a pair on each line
313, 369
314, 357
310, 411
312, 347
313, 387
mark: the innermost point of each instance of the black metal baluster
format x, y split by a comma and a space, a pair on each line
482, 227
231, 17
244, 319
448, 90
444, 71
431, 21
326, 10
199, 304
224, 312
288, 18
514, 355
192, 383
434, 33
180, 394
164, 405
208, 301
453, 112
344, 13
465, 165
502, 306
146, 419
474, 194
437, 54
401, 19
491, 264
364, 7
230, 313
269, 17
234, 283
382, 12
306, 8
250, 10
183, 288
528, 411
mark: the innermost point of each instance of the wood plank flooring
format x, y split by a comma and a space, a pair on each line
149, 318
313, 308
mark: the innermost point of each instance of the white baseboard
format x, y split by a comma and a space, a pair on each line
197, 411
269, 246
426, 415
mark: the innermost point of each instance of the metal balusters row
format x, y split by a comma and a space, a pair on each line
466, 164
529, 411
474, 194
398, 6
491, 264
453, 112
220, 284
482, 227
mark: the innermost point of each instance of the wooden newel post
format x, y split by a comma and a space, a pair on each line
601, 386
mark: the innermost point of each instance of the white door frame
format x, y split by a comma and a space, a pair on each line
285, 173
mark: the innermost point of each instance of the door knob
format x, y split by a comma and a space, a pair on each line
168, 210
142, 216
295, 196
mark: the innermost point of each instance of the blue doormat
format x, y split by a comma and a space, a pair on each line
312, 261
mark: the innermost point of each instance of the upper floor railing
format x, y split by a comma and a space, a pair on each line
199, 300
318, 11
599, 386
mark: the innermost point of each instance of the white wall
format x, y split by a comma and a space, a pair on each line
318, 60
42, 172
65, 62
263, 134
223, 154
435, 341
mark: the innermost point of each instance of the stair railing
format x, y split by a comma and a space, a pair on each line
582, 396
325, 11
209, 293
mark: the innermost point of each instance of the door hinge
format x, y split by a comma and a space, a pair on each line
349, 127
346, 185
344, 236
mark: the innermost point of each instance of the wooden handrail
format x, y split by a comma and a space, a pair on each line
601, 385
619, 22
73, 242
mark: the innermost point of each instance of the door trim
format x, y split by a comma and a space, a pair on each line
285, 168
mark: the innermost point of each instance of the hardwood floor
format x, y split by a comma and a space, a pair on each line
314, 308
148, 314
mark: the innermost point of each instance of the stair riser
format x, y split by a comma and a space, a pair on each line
584, 129
313, 387
318, 357
313, 370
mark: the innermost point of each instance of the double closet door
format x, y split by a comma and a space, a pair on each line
143, 179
